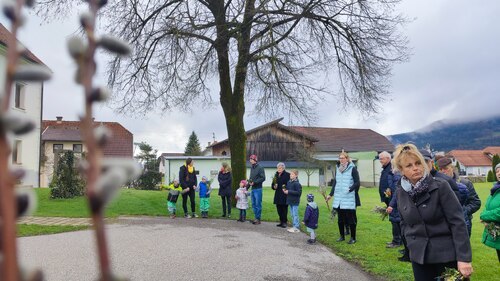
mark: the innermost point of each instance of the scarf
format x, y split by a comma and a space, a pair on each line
190, 168
415, 191
495, 187
342, 167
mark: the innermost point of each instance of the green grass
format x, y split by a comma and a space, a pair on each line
372, 233
24, 230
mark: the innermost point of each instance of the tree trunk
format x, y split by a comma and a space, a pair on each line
237, 145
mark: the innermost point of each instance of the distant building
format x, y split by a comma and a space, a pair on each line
274, 142
26, 99
59, 135
475, 162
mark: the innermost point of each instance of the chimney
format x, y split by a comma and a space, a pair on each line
59, 119
208, 144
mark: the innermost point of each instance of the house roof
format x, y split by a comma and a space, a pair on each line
5, 35
470, 158
120, 145
351, 140
169, 154
269, 124
492, 150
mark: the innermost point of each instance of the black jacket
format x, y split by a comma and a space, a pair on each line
187, 179
257, 175
452, 183
434, 225
473, 203
225, 181
279, 196
386, 181
294, 191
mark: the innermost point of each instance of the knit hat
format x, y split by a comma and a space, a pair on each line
253, 157
426, 154
497, 167
204, 178
244, 182
310, 197
443, 162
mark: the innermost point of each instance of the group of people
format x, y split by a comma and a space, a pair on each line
430, 209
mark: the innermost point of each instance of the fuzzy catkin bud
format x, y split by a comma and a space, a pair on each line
86, 19
29, 3
99, 94
132, 169
114, 45
9, 10
102, 135
31, 73
18, 124
76, 47
108, 184
26, 201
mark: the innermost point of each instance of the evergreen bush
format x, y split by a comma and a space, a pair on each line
66, 181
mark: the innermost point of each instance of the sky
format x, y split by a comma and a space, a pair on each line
453, 73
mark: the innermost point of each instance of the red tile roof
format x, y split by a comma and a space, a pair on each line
470, 158
351, 140
5, 35
492, 150
120, 145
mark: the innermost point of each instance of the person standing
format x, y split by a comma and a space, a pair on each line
386, 189
293, 191
225, 189
257, 177
344, 188
280, 178
188, 180
491, 214
434, 228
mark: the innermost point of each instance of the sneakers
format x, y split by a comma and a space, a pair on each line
311, 241
187, 216
172, 216
228, 216
256, 222
392, 245
340, 239
352, 241
293, 230
195, 215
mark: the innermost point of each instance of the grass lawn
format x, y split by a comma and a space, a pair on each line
24, 230
372, 233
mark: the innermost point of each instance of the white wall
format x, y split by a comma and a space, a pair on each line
30, 143
478, 170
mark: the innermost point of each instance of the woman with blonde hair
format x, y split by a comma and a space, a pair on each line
344, 189
434, 225
225, 189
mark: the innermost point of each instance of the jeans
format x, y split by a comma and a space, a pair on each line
294, 209
257, 202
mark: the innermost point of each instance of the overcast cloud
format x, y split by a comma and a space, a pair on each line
454, 72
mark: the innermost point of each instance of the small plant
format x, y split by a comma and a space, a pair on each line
382, 211
451, 274
493, 229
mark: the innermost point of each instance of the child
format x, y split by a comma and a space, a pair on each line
204, 189
293, 191
174, 190
242, 200
311, 217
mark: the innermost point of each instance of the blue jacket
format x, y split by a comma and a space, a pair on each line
294, 191
386, 181
394, 215
204, 190
344, 187
311, 215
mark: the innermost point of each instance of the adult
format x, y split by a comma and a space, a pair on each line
225, 188
491, 214
344, 189
188, 180
281, 177
257, 177
386, 189
435, 229
471, 203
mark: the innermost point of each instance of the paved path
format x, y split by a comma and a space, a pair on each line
146, 248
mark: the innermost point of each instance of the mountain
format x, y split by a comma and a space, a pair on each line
446, 135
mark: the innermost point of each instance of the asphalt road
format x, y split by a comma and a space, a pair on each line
188, 249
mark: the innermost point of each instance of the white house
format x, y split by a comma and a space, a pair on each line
27, 100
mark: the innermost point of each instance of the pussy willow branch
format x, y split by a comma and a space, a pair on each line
9, 266
95, 152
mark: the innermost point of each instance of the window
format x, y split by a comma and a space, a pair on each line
57, 148
16, 152
77, 148
19, 96
224, 153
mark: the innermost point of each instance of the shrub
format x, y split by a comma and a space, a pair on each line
66, 181
491, 176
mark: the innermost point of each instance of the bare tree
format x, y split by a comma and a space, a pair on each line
269, 53
310, 164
